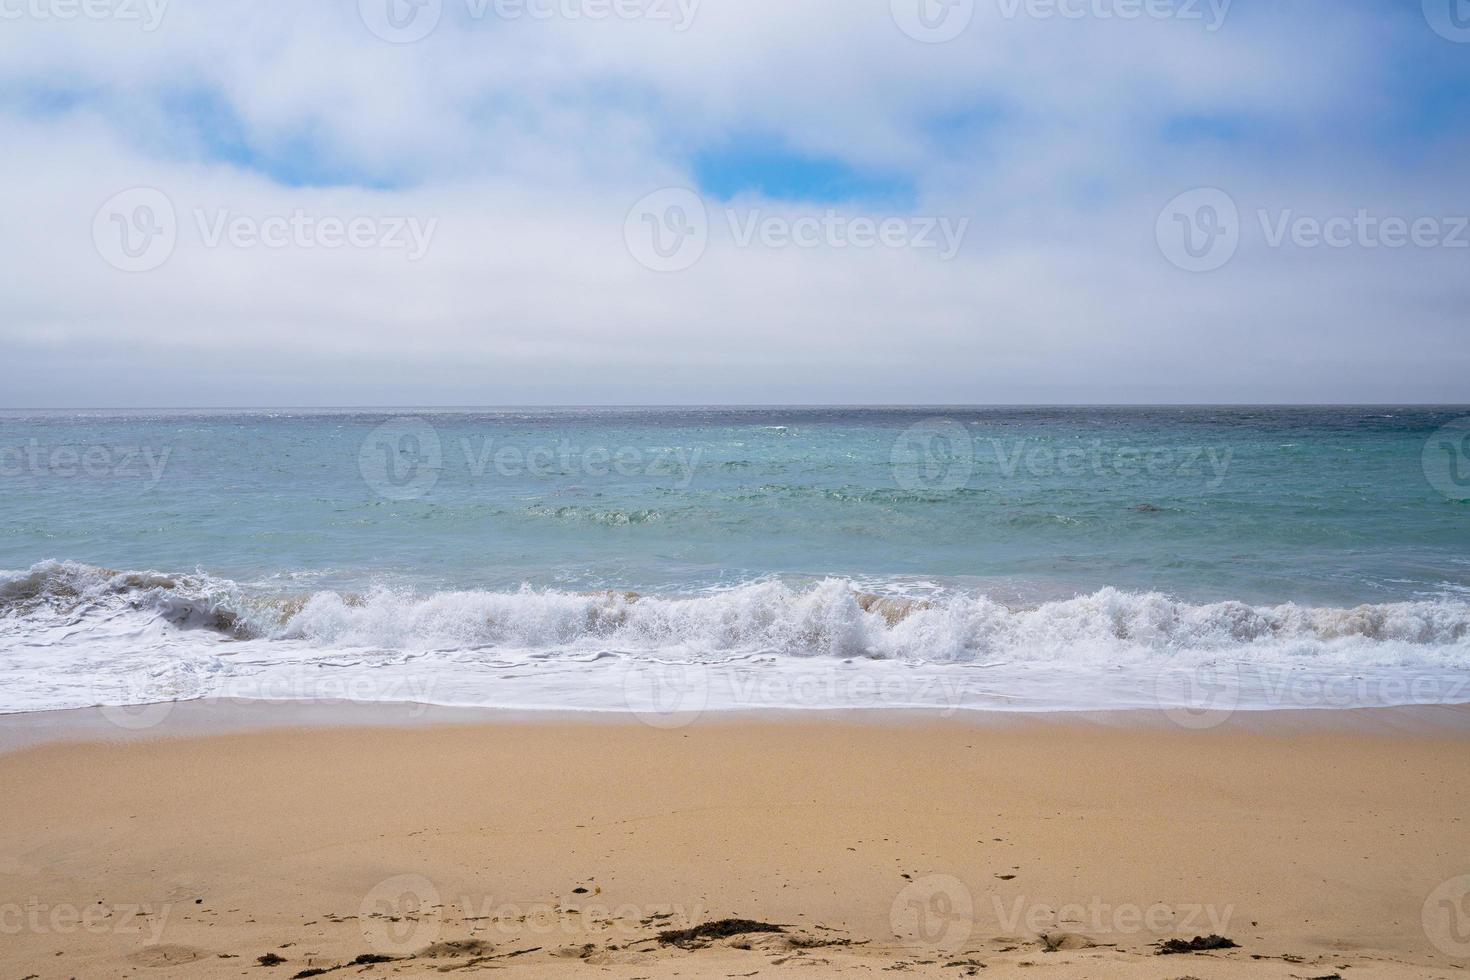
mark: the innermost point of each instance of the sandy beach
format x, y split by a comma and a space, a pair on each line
1319, 845
667, 489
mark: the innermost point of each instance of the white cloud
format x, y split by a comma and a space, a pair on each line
527, 142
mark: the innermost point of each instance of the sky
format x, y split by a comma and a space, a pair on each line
518, 202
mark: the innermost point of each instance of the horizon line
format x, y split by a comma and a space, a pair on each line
876, 406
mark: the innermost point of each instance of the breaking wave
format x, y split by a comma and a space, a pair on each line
769, 617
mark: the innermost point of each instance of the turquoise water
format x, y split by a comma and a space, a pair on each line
472, 535
1271, 505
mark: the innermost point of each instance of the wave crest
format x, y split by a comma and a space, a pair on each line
832, 618
69, 588
827, 618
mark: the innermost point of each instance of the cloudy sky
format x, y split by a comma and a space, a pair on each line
489, 202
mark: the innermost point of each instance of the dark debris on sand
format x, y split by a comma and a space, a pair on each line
1198, 944
718, 929
363, 959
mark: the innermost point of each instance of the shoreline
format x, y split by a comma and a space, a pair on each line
1329, 842
210, 717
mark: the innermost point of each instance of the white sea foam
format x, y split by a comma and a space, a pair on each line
74, 634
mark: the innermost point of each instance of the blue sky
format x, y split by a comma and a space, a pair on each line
1057, 142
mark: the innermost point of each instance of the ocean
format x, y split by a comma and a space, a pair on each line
672, 561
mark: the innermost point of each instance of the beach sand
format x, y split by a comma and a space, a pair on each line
961, 847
